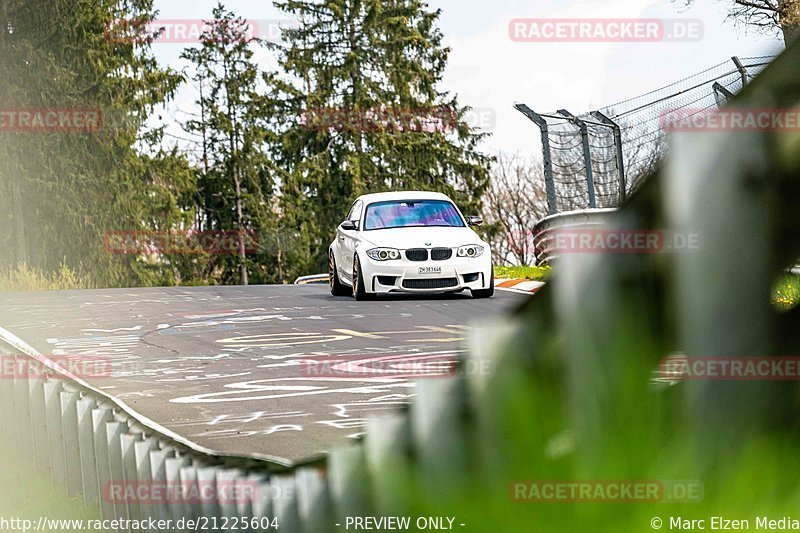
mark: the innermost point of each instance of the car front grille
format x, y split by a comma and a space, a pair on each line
441, 254
417, 254
435, 283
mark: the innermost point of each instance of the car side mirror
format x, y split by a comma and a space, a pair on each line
349, 225
474, 220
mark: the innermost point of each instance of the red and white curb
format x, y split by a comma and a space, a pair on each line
518, 285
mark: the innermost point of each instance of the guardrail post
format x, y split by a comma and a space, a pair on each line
158, 475
55, 435
89, 483
437, 432
71, 450
7, 410
23, 411
349, 482
388, 463
313, 500
114, 432
228, 487
246, 507
130, 475
100, 418
261, 508
191, 505
142, 471
41, 446
172, 468
207, 484
284, 503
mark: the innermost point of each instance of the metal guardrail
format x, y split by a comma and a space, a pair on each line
313, 279
545, 231
92, 444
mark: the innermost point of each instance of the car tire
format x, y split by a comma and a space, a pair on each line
359, 292
337, 287
485, 293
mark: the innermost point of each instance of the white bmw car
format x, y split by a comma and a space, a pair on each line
413, 242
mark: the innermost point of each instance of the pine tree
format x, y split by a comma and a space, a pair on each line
359, 110
64, 191
234, 182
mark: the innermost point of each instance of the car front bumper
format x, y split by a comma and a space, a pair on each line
429, 276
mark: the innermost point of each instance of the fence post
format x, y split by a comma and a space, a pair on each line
587, 154
552, 206
742, 70
721, 94
619, 154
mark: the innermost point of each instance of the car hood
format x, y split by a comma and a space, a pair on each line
405, 238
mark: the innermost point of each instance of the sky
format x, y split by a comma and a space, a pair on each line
490, 71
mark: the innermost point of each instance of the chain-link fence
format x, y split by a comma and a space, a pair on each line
595, 159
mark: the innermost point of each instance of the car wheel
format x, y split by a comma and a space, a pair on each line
359, 292
337, 287
485, 293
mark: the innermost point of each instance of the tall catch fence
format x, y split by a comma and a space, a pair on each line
596, 159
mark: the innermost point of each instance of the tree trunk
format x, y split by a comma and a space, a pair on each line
790, 33
239, 226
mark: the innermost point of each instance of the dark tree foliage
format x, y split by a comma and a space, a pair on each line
61, 192
359, 110
234, 184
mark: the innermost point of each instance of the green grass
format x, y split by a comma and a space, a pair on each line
533, 273
786, 292
25, 278
27, 494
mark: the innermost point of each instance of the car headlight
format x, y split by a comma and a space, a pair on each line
471, 250
383, 254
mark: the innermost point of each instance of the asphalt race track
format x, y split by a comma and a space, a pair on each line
240, 369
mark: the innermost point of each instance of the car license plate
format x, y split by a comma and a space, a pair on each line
430, 270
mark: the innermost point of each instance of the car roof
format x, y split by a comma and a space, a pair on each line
403, 195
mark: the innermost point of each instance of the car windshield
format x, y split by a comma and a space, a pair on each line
412, 213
